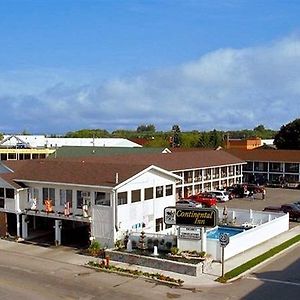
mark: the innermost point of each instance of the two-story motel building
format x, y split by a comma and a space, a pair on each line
108, 196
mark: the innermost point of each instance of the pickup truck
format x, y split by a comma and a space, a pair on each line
206, 199
293, 210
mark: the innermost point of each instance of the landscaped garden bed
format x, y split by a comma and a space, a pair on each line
156, 276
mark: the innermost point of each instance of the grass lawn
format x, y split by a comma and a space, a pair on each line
257, 260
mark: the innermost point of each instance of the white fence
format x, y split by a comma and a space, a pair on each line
269, 225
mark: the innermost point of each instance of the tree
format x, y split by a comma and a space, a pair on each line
25, 132
204, 140
216, 138
88, 133
146, 128
175, 140
288, 136
259, 128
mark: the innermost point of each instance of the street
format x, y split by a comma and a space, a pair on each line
27, 276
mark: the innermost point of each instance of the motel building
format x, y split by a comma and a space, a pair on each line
103, 198
270, 166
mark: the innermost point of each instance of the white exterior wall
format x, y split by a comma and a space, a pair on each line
10, 205
144, 211
102, 228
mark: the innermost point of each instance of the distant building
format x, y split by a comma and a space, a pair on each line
23, 147
246, 144
269, 165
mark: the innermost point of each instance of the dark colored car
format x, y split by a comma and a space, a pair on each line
293, 210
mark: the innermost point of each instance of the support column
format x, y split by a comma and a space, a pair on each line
57, 227
3, 224
203, 239
24, 227
18, 226
34, 222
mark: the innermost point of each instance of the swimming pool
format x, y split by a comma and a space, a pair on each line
215, 233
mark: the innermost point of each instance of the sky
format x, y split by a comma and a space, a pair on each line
66, 65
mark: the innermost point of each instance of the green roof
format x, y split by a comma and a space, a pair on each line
77, 151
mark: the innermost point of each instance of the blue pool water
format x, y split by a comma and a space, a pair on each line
215, 233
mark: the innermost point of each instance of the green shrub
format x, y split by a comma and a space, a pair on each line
119, 244
174, 250
95, 248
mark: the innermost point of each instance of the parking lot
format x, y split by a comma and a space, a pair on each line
274, 197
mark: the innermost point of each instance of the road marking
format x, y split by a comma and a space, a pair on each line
274, 281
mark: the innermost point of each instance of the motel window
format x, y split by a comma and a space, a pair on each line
248, 166
10, 193
102, 198
3, 156
135, 196
12, 156
65, 196
49, 194
35, 156
159, 224
1, 192
122, 198
275, 167
42, 156
159, 191
260, 166
169, 190
33, 193
148, 193
79, 199
291, 178
1, 197
292, 167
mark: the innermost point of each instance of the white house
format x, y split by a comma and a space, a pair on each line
107, 200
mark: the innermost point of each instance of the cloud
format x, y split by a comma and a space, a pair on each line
224, 89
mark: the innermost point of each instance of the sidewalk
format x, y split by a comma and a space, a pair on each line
69, 255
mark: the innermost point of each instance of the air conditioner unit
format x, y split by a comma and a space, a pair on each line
85, 194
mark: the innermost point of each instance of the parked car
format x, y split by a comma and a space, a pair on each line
244, 190
236, 191
187, 203
297, 203
206, 199
222, 196
293, 210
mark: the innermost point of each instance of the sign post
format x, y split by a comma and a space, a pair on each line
224, 241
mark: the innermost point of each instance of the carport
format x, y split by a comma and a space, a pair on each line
56, 230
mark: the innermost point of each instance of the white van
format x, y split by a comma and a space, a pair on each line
222, 196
